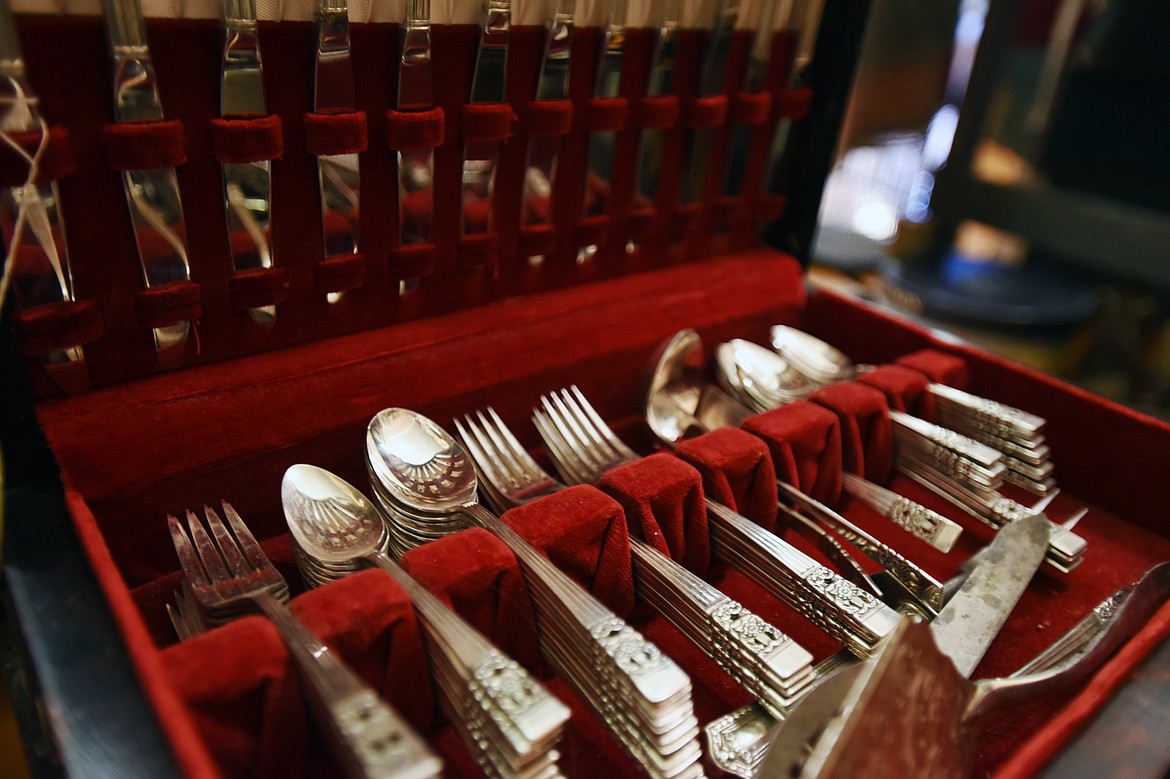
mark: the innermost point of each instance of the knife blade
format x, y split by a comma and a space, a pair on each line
541, 165
652, 143
415, 166
599, 153
40, 259
333, 92
156, 210
772, 15
488, 85
702, 140
967, 625
806, 43
247, 186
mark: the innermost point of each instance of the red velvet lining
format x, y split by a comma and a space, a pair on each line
549, 117
487, 121
478, 251
792, 103
179, 301
56, 326
535, 240
256, 287
410, 130
706, 111
592, 231
805, 441
906, 389
584, 533
412, 262
145, 145
339, 273
939, 367
866, 433
329, 134
662, 498
737, 472
606, 114
56, 160
751, 108
657, 112
246, 139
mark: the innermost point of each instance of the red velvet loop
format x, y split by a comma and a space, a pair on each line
339, 273
606, 114
412, 130
329, 134
57, 326
258, 287
584, 532
657, 113
179, 301
737, 472
905, 389
771, 207
550, 117
939, 367
478, 576
56, 160
487, 121
145, 145
535, 240
662, 497
412, 262
732, 209
684, 216
792, 103
751, 108
476, 252
705, 112
805, 442
592, 231
639, 223
867, 438
247, 139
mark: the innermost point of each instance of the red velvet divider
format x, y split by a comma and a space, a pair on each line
331, 133
592, 231
939, 367
179, 301
805, 441
792, 103
583, 531
706, 111
56, 160
478, 251
906, 389
737, 472
56, 326
339, 273
534, 240
412, 262
411, 130
662, 497
145, 145
247, 139
657, 112
866, 431
751, 108
256, 287
606, 114
549, 117
487, 121
478, 576
243, 694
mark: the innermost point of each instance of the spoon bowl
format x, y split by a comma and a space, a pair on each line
417, 464
328, 518
811, 356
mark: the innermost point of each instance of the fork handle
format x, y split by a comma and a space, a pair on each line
366, 735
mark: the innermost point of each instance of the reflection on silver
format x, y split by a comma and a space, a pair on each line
702, 140
416, 167
487, 86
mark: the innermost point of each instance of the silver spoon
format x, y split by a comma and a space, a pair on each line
510, 718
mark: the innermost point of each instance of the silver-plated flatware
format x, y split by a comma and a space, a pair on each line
711, 83
488, 85
247, 186
772, 13
156, 209
416, 167
809, 22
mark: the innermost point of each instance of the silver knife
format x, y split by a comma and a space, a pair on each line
753, 82
338, 174
156, 210
247, 186
702, 140
599, 155
653, 142
967, 625
806, 43
44, 276
488, 85
416, 167
541, 165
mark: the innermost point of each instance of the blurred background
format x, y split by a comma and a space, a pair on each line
1004, 173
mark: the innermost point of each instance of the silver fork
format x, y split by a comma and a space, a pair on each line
583, 448
226, 575
764, 660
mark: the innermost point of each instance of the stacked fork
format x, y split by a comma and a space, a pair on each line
768, 663
226, 575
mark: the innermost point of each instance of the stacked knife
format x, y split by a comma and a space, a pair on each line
416, 167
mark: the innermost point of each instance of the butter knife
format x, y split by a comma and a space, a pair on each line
247, 186
488, 85
714, 73
599, 154
541, 165
653, 142
156, 210
753, 82
338, 175
44, 275
416, 167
